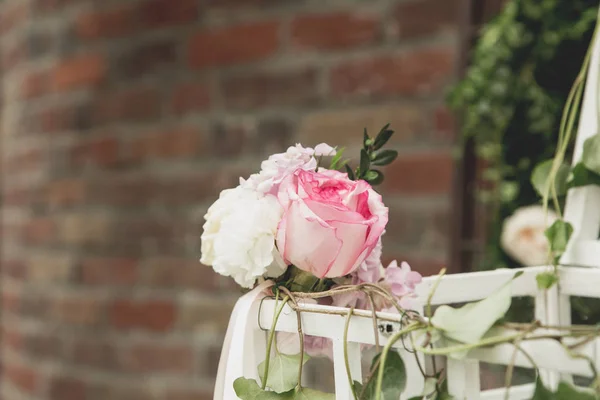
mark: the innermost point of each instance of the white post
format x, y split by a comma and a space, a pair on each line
343, 391
464, 381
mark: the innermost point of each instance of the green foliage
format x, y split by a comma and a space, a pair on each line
370, 156
581, 176
546, 280
511, 98
558, 235
591, 154
564, 392
248, 389
283, 371
394, 379
539, 178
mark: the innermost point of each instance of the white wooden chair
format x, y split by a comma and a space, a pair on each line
244, 346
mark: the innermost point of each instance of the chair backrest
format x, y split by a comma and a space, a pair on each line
252, 321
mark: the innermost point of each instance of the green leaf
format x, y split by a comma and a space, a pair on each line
336, 159
470, 322
384, 157
540, 175
350, 173
591, 153
365, 137
311, 394
384, 135
558, 235
374, 177
364, 162
248, 389
546, 280
568, 392
581, 176
541, 393
283, 371
394, 378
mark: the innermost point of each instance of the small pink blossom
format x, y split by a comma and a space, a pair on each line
402, 280
278, 166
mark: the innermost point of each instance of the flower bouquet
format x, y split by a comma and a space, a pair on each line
304, 233
310, 223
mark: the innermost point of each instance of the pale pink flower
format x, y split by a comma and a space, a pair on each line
278, 166
330, 223
523, 235
402, 280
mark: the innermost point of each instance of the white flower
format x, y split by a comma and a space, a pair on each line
278, 166
239, 236
523, 235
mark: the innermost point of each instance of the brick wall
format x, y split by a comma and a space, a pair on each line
122, 120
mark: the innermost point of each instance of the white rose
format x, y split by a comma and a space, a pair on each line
239, 236
523, 235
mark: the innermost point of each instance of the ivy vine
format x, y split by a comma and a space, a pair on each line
510, 102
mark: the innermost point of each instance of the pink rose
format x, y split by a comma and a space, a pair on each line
330, 224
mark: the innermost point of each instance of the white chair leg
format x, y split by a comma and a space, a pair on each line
343, 391
464, 382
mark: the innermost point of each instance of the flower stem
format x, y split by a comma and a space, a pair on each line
385, 352
271, 337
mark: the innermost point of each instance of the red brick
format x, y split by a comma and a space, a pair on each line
190, 96
426, 17
161, 13
152, 315
177, 143
39, 231
148, 58
78, 310
24, 378
278, 88
416, 73
80, 71
55, 119
46, 346
13, 339
29, 159
109, 271
35, 84
157, 357
135, 103
420, 174
12, 15
67, 388
14, 55
114, 22
103, 152
232, 45
65, 192
334, 31
93, 352
16, 269
445, 124
177, 273
11, 302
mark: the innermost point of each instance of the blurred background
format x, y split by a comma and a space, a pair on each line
122, 120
